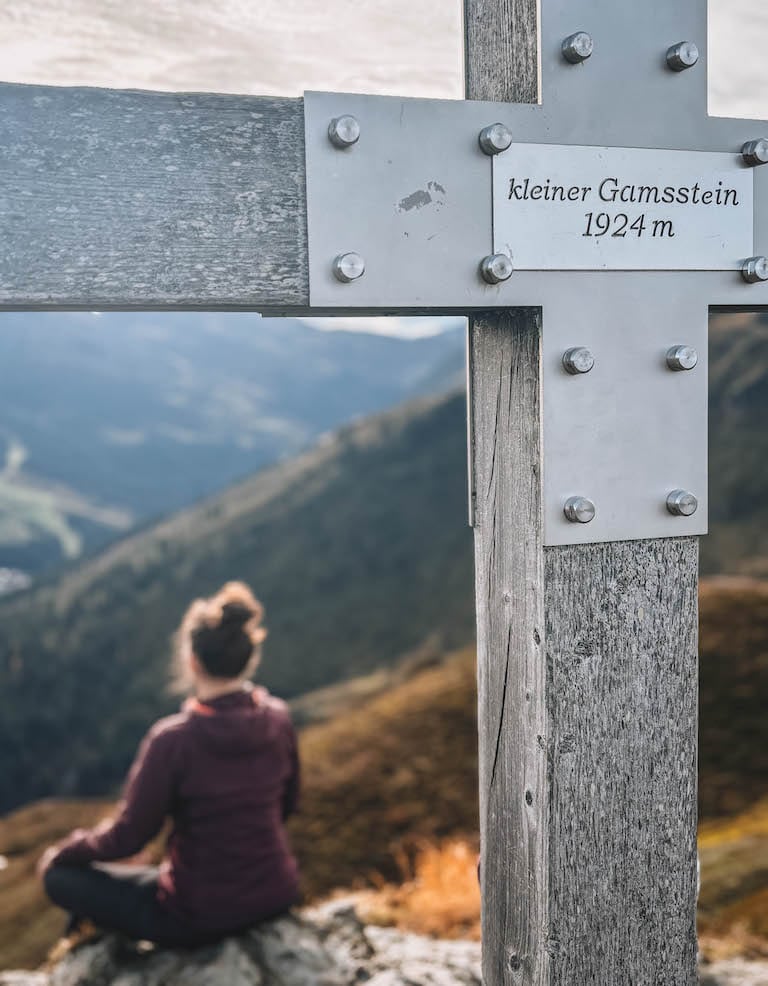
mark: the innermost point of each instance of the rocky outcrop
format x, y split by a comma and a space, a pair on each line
735, 972
324, 946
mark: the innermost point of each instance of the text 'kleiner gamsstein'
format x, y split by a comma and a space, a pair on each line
611, 190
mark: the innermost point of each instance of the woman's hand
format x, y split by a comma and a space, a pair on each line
46, 860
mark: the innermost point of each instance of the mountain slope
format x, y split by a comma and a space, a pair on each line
361, 552
738, 443
111, 420
399, 767
733, 671
359, 549
145, 413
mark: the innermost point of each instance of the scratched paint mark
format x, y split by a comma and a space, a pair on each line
416, 200
433, 194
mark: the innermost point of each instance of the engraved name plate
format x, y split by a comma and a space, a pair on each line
600, 208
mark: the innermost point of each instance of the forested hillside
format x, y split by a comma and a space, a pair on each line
361, 553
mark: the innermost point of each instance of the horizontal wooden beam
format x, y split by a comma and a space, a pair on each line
137, 200
117, 200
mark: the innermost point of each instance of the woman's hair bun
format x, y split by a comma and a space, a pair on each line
237, 605
235, 614
224, 631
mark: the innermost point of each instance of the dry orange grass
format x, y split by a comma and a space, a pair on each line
733, 905
738, 942
439, 894
397, 769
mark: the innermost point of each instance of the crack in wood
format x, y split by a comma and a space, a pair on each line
503, 707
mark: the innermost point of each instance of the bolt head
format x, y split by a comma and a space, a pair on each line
755, 270
683, 55
682, 503
495, 138
682, 358
343, 131
578, 360
755, 152
579, 510
348, 267
496, 268
578, 47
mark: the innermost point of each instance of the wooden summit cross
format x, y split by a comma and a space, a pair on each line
616, 213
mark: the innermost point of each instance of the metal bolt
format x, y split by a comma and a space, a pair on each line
682, 56
495, 138
755, 270
579, 510
348, 267
496, 268
682, 358
578, 360
343, 131
755, 152
578, 47
682, 503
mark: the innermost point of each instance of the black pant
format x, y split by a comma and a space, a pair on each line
121, 898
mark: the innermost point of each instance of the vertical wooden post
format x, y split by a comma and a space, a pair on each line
587, 673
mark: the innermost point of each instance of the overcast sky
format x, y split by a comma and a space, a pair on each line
403, 47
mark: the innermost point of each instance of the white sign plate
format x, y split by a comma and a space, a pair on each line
602, 208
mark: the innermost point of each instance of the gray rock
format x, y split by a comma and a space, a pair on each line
386, 957
290, 952
735, 972
345, 937
91, 964
326, 947
426, 961
323, 946
24, 979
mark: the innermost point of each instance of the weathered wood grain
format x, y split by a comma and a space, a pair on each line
587, 671
504, 405
501, 50
622, 694
114, 199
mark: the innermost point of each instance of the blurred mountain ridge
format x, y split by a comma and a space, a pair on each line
109, 420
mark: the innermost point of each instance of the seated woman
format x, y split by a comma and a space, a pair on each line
226, 772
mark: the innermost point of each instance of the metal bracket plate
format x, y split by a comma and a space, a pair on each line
631, 430
414, 197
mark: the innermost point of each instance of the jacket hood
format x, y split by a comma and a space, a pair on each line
236, 724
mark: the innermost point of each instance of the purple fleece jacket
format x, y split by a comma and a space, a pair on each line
226, 772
